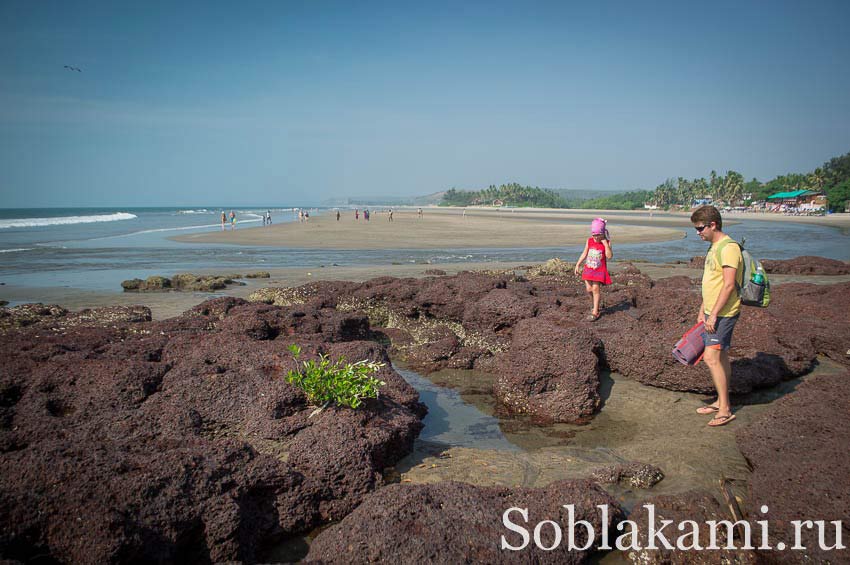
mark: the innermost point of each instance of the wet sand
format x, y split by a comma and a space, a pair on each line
442, 228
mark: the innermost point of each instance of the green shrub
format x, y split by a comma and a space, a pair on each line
326, 381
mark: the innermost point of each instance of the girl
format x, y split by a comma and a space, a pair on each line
597, 251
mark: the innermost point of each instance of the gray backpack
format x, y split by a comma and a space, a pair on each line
755, 288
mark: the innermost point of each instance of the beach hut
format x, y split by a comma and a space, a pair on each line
799, 200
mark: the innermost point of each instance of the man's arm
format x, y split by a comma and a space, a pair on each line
729, 274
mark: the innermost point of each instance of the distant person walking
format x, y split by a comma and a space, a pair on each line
356, 213
232, 220
420, 213
721, 305
390, 217
268, 217
366, 214
596, 253
337, 215
223, 220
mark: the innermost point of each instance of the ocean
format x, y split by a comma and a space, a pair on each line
97, 248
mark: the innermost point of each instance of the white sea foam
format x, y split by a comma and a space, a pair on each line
16, 250
160, 230
201, 211
63, 220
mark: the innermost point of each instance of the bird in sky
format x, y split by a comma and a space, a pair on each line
70, 68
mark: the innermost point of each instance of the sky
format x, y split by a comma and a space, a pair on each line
293, 103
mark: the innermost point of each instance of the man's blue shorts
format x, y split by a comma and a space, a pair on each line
722, 335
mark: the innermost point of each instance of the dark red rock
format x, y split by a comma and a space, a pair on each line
697, 506
798, 452
459, 523
550, 372
164, 441
806, 265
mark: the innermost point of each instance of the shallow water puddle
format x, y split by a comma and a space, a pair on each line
452, 421
466, 439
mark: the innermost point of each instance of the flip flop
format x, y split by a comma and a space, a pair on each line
593, 318
721, 420
704, 410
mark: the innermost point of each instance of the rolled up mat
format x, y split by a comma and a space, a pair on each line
689, 349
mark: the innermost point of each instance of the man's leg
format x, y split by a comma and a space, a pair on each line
718, 364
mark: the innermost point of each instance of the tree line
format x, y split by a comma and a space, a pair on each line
512, 194
833, 178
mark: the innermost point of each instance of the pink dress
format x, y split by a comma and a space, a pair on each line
596, 264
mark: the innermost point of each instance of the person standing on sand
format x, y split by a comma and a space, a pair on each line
337, 215
232, 220
357, 213
268, 217
597, 251
390, 218
420, 213
223, 220
721, 305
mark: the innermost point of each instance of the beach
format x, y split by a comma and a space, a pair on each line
442, 228
454, 228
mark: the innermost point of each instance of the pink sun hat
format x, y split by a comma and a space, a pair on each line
597, 226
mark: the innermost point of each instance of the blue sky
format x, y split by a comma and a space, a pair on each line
277, 103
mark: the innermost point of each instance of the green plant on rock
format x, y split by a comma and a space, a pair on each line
326, 381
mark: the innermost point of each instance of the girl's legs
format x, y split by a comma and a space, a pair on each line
596, 290
588, 288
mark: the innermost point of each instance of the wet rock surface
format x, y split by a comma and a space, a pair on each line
123, 439
798, 451
453, 522
637, 475
697, 506
55, 319
188, 282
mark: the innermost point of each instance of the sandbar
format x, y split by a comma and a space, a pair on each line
441, 228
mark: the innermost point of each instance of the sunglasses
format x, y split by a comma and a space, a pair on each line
700, 228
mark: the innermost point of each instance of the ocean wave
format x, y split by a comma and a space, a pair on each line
158, 230
201, 211
64, 220
16, 250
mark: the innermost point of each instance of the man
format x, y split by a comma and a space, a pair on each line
720, 306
